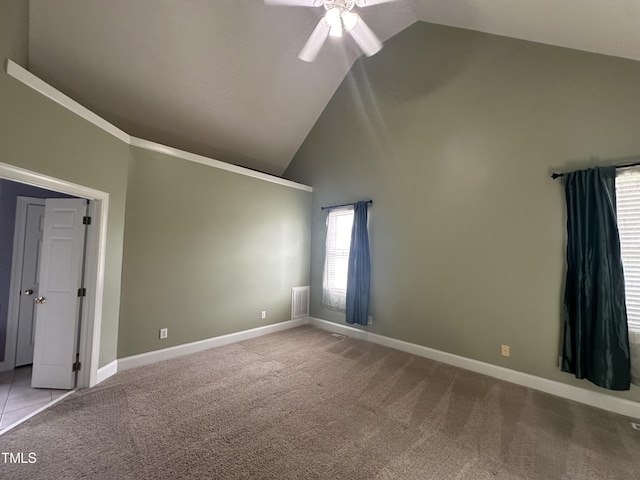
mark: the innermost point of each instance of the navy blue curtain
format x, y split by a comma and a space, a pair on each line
596, 336
359, 272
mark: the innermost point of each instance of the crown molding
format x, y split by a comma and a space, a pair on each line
192, 157
29, 79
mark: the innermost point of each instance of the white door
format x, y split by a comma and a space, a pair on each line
58, 303
29, 281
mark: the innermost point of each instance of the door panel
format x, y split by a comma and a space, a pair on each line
60, 277
29, 282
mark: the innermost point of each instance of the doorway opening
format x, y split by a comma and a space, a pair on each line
15, 341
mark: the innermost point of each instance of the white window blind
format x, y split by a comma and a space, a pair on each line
628, 210
336, 262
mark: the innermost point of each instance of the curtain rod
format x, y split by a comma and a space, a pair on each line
343, 205
624, 165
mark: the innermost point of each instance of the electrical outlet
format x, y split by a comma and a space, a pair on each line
504, 350
369, 320
163, 333
264, 314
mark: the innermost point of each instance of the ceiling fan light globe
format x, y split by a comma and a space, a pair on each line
349, 20
333, 18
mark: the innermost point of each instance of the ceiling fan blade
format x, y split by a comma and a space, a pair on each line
368, 3
364, 37
317, 38
296, 3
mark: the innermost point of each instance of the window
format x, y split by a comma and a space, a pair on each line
628, 210
336, 262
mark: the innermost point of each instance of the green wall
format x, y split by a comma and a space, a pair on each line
206, 250
454, 134
42, 136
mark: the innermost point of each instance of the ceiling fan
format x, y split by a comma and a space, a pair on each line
338, 17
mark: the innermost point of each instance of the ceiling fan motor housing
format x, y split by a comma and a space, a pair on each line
342, 5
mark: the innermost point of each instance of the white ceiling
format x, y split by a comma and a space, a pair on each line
221, 78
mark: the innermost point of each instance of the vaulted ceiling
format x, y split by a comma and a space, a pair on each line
221, 78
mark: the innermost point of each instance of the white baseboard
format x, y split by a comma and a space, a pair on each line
595, 399
588, 397
166, 353
106, 371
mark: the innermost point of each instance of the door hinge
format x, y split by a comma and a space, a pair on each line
86, 220
76, 366
82, 292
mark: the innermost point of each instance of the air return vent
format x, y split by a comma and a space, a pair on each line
299, 302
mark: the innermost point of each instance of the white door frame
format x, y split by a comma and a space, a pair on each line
91, 320
13, 309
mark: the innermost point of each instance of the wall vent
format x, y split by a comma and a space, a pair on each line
299, 302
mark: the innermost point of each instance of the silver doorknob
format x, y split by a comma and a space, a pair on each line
39, 299
28, 292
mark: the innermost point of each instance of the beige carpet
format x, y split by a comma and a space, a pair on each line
304, 404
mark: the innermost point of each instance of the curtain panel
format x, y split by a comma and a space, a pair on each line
359, 273
596, 337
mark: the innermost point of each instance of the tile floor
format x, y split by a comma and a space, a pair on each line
18, 399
